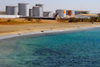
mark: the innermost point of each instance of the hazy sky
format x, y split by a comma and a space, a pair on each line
52, 5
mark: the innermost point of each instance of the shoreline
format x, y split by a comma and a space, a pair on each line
27, 33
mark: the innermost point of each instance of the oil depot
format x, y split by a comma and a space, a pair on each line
63, 13
37, 11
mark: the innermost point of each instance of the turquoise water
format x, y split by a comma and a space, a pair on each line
68, 49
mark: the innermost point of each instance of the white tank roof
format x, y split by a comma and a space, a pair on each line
23, 3
11, 6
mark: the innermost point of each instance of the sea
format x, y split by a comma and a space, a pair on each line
80, 48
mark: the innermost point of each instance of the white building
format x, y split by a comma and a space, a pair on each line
47, 14
81, 12
86, 15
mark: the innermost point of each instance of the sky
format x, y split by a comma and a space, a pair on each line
52, 5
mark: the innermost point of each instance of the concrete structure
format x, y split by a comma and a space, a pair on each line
86, 15
47, 14
9, 16
23, 9
81, 12
11, 10
37, 11
30, 12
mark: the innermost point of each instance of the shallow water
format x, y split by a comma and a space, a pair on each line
73, 49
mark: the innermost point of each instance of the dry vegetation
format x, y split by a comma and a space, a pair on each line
9, 21
62, 20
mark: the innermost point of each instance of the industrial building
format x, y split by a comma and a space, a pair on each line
63, 13
81, 12
23, 9
47, 14
11, 10
86, 15
37, 11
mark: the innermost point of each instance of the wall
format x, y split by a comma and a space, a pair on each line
9, 16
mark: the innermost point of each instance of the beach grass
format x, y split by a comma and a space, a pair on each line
9, 21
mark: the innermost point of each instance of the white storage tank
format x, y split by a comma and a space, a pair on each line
23, 9
37, 11
30, 12
41, 9
11, 10
61, 13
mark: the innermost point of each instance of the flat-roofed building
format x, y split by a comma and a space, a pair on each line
47, 14
86, 15
81, 12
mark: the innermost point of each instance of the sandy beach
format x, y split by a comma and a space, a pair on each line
45, 25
